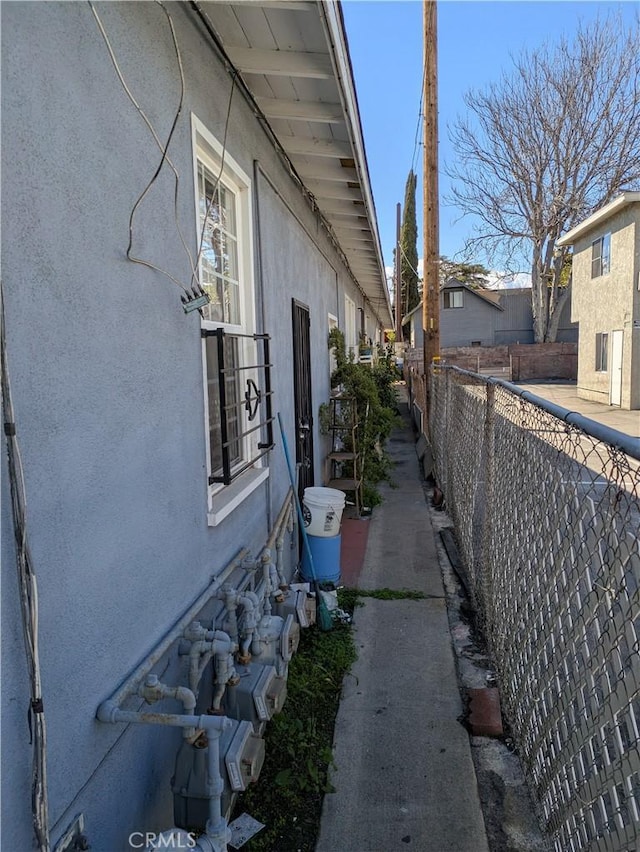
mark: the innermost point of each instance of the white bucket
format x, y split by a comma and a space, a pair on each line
322, 511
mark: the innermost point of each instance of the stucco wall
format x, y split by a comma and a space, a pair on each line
608, 303
107, 384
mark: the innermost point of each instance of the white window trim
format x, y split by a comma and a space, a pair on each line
223, 499
235, 494
603, 352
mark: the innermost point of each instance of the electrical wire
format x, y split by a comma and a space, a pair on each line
417, 141
163, 148
28, 590
404, 255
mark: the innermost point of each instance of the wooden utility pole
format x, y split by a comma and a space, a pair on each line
398, 271
431, 278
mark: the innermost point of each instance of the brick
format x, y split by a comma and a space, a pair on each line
485, 718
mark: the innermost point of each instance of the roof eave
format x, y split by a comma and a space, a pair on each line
601, 215
331, 14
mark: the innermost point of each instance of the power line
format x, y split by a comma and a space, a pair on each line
418, 136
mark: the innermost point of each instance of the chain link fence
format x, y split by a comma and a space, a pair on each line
547, 516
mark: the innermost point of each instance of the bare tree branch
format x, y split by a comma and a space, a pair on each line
546, 146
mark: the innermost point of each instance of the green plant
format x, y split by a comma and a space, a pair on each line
324, 418
294, 778
372, 388
392, 594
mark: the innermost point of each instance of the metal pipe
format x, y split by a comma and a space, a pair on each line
217, 830
110, 712
268, 585
230, 596
250, 604
627, 444
130, 685
216, 827
218, 645
280, 520
154, 690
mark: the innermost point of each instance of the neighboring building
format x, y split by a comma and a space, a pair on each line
475, 317
121, 404
605, 301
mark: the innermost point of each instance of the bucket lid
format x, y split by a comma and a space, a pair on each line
324, 495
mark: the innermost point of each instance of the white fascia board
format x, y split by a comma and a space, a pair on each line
598, 217
332, 16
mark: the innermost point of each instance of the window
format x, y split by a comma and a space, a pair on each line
452, 298
235, 359
601, 256
332, 323
350, 328
602, 349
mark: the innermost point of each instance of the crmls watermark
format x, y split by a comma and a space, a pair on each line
167, 840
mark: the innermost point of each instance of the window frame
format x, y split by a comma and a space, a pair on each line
350, 326
332, 322
602, 352
446, 297
206, 150
601, 256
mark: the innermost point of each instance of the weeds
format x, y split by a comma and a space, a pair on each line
294, 778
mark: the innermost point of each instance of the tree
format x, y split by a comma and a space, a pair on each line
545, 147
473, 274
410, 297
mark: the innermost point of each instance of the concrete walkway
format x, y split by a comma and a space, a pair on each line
566, 394
404, 776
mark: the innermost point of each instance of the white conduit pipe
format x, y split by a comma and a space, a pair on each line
130, 686
282, 518
280, 560
276, 538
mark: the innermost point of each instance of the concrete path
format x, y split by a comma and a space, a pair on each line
404, 776
566, 394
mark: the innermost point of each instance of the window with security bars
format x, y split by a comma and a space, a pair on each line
602, 350
223, 386
601, 256
239, 401
235, 359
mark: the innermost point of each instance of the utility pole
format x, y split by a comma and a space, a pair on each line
398, 271
431, 278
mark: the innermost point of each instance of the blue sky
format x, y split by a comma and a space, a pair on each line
476, 40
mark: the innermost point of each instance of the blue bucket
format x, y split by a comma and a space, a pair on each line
325, 553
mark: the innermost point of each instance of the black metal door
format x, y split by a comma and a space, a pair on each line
302, 395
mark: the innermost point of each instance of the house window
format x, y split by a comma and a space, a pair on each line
235, 359
350, 327
602, 349
452, 298
332, 322
601, 256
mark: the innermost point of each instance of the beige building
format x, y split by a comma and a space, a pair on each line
605, 301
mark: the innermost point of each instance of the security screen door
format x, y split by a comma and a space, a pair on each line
302, 395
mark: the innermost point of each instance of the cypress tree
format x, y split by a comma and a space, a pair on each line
409, 248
